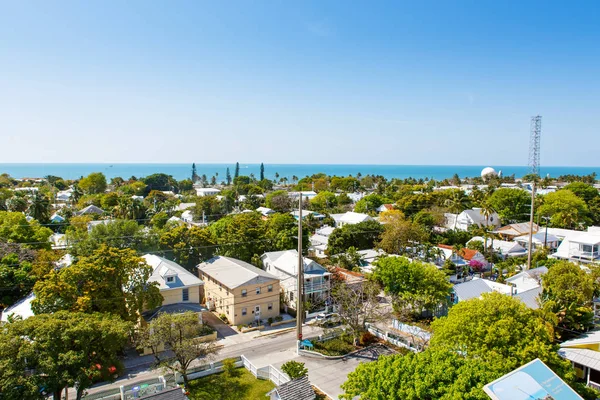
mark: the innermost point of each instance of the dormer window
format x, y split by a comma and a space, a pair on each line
170, 279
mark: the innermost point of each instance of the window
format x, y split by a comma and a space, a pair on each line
244, 311
244, 292
270, 306
291, 296
270, 288
258, 290
185, 294
170, 279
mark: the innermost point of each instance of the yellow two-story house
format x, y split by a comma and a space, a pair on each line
239, 290
179, 288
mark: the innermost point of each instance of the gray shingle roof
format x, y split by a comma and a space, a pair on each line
471, 289
234, 273
297, 389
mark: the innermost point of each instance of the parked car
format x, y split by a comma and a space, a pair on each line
327, 318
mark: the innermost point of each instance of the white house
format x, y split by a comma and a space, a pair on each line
527, 280
503, 248
539, 240
368, 258
207, 192
310, 194
475, 217
306, 213
93, 224
64, 195
187, 216
317, 284
350, 218
384, 208
183, 206
319, 241
580, 247
21, 309
265, 211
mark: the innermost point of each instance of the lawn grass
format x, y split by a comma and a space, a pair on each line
218, 387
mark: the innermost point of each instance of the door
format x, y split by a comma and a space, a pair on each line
257, 312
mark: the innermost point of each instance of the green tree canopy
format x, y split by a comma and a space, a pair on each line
120, 234
399, 234
63, 349
109, 280
14, 228
512, 205
294, 369
565, 209
241, 236
279, 201
323, 201
369, 204
414, 286
94, 183
188, 246
584, 191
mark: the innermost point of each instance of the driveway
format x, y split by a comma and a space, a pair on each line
328, 375
223, 330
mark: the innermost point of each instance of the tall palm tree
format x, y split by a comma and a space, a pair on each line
457, 203
39, 208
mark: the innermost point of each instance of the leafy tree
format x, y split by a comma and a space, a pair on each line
414, 286
240, 236
16, 204
109, 280
160, 182
498, 325
584, 191
279, 201
399, 234
357, 304
159, 220
109, 201
567, 295
262, 171
323, 201
282, 233
14, 228
348, 184
433, 374
512, 205
362, 236
350, 260
180, 334
565, 209
94, 183
188, 246
370, 203
186, 185
120, 234
294, 369
16, 280
63, 349
237, 170
207, 207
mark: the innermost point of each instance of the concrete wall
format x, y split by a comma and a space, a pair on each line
232, 303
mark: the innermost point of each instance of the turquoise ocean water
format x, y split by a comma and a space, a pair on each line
182, 171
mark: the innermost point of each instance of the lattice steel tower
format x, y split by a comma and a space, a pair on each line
534, 145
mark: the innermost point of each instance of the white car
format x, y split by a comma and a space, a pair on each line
329, 317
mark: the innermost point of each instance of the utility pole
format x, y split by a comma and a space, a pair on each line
530, 249
300, 278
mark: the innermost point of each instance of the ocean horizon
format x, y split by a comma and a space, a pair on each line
181, 171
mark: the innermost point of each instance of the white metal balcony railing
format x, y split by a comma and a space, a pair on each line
590, 255
311, 287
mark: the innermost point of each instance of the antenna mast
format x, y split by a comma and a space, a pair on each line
534, 170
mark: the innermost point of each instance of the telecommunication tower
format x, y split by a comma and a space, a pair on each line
534, 169
534, 145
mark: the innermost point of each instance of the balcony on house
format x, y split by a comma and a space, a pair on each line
316, 283
584, 250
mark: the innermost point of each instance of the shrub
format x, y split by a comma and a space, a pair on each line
278, 318
294, 369
239, 327
334, 347
367, 338
223, 318
270, 320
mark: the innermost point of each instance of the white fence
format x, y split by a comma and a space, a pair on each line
269, 372
411, 343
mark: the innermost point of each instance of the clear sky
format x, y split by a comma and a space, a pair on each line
398, 82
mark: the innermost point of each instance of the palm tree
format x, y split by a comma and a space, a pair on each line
294, 179
457, 203
39, 207
76, 194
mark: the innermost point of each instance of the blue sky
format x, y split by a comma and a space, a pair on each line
411, 82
